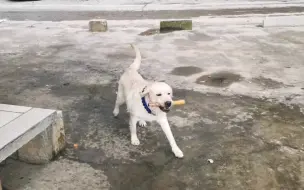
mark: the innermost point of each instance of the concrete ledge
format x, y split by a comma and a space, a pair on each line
283, 21
45, 145
37, 134
214, 5
58, 135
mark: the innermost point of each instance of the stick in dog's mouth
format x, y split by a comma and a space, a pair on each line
167, 109
162, 108
175, 103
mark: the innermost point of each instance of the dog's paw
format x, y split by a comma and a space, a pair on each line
177, 152
116, 112
142, 123
135, 141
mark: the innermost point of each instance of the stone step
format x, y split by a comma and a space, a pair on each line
36, 134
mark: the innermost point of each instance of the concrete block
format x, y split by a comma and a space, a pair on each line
23, 129
173, 25
6, 117
58, 138
13, 108
98, 26
46, 145
283, 21
38, 150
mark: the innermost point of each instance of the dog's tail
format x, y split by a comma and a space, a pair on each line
136, 63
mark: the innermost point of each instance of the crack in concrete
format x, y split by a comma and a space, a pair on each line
142, 9
276, 145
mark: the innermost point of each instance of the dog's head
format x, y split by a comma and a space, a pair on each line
161, 94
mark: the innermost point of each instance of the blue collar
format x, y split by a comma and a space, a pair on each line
146, 106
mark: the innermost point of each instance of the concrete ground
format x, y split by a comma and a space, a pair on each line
243, 86
60, 15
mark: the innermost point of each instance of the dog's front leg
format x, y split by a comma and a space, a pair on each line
133, 122
167, 130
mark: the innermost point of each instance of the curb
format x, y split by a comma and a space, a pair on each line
261, 21
275, 20
287, 21
271, 20
225, 5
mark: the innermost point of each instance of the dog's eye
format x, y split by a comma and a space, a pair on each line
169, 93
158, 94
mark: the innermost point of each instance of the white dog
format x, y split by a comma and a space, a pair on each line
140, 95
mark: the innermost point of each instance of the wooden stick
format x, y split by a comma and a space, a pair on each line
153, 104
179, 102
175, 103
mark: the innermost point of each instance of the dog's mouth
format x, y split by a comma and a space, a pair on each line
164, 109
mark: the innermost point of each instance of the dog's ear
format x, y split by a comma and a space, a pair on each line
145, 91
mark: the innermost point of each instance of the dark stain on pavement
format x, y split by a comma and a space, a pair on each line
121, 55
60, 47
153, 31
197, 36
186, 70
149, 32
268, 83
220, 79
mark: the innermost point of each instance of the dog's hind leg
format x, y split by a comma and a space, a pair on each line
120, 99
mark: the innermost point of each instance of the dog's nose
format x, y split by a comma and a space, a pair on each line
168, 104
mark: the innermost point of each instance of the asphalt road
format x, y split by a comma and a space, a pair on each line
131, 15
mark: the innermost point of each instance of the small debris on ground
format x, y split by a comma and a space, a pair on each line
76, 146
149, 32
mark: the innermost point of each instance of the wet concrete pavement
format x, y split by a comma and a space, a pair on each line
242, 85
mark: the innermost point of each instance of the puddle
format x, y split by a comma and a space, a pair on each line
186, 71
267, 82
220, 79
